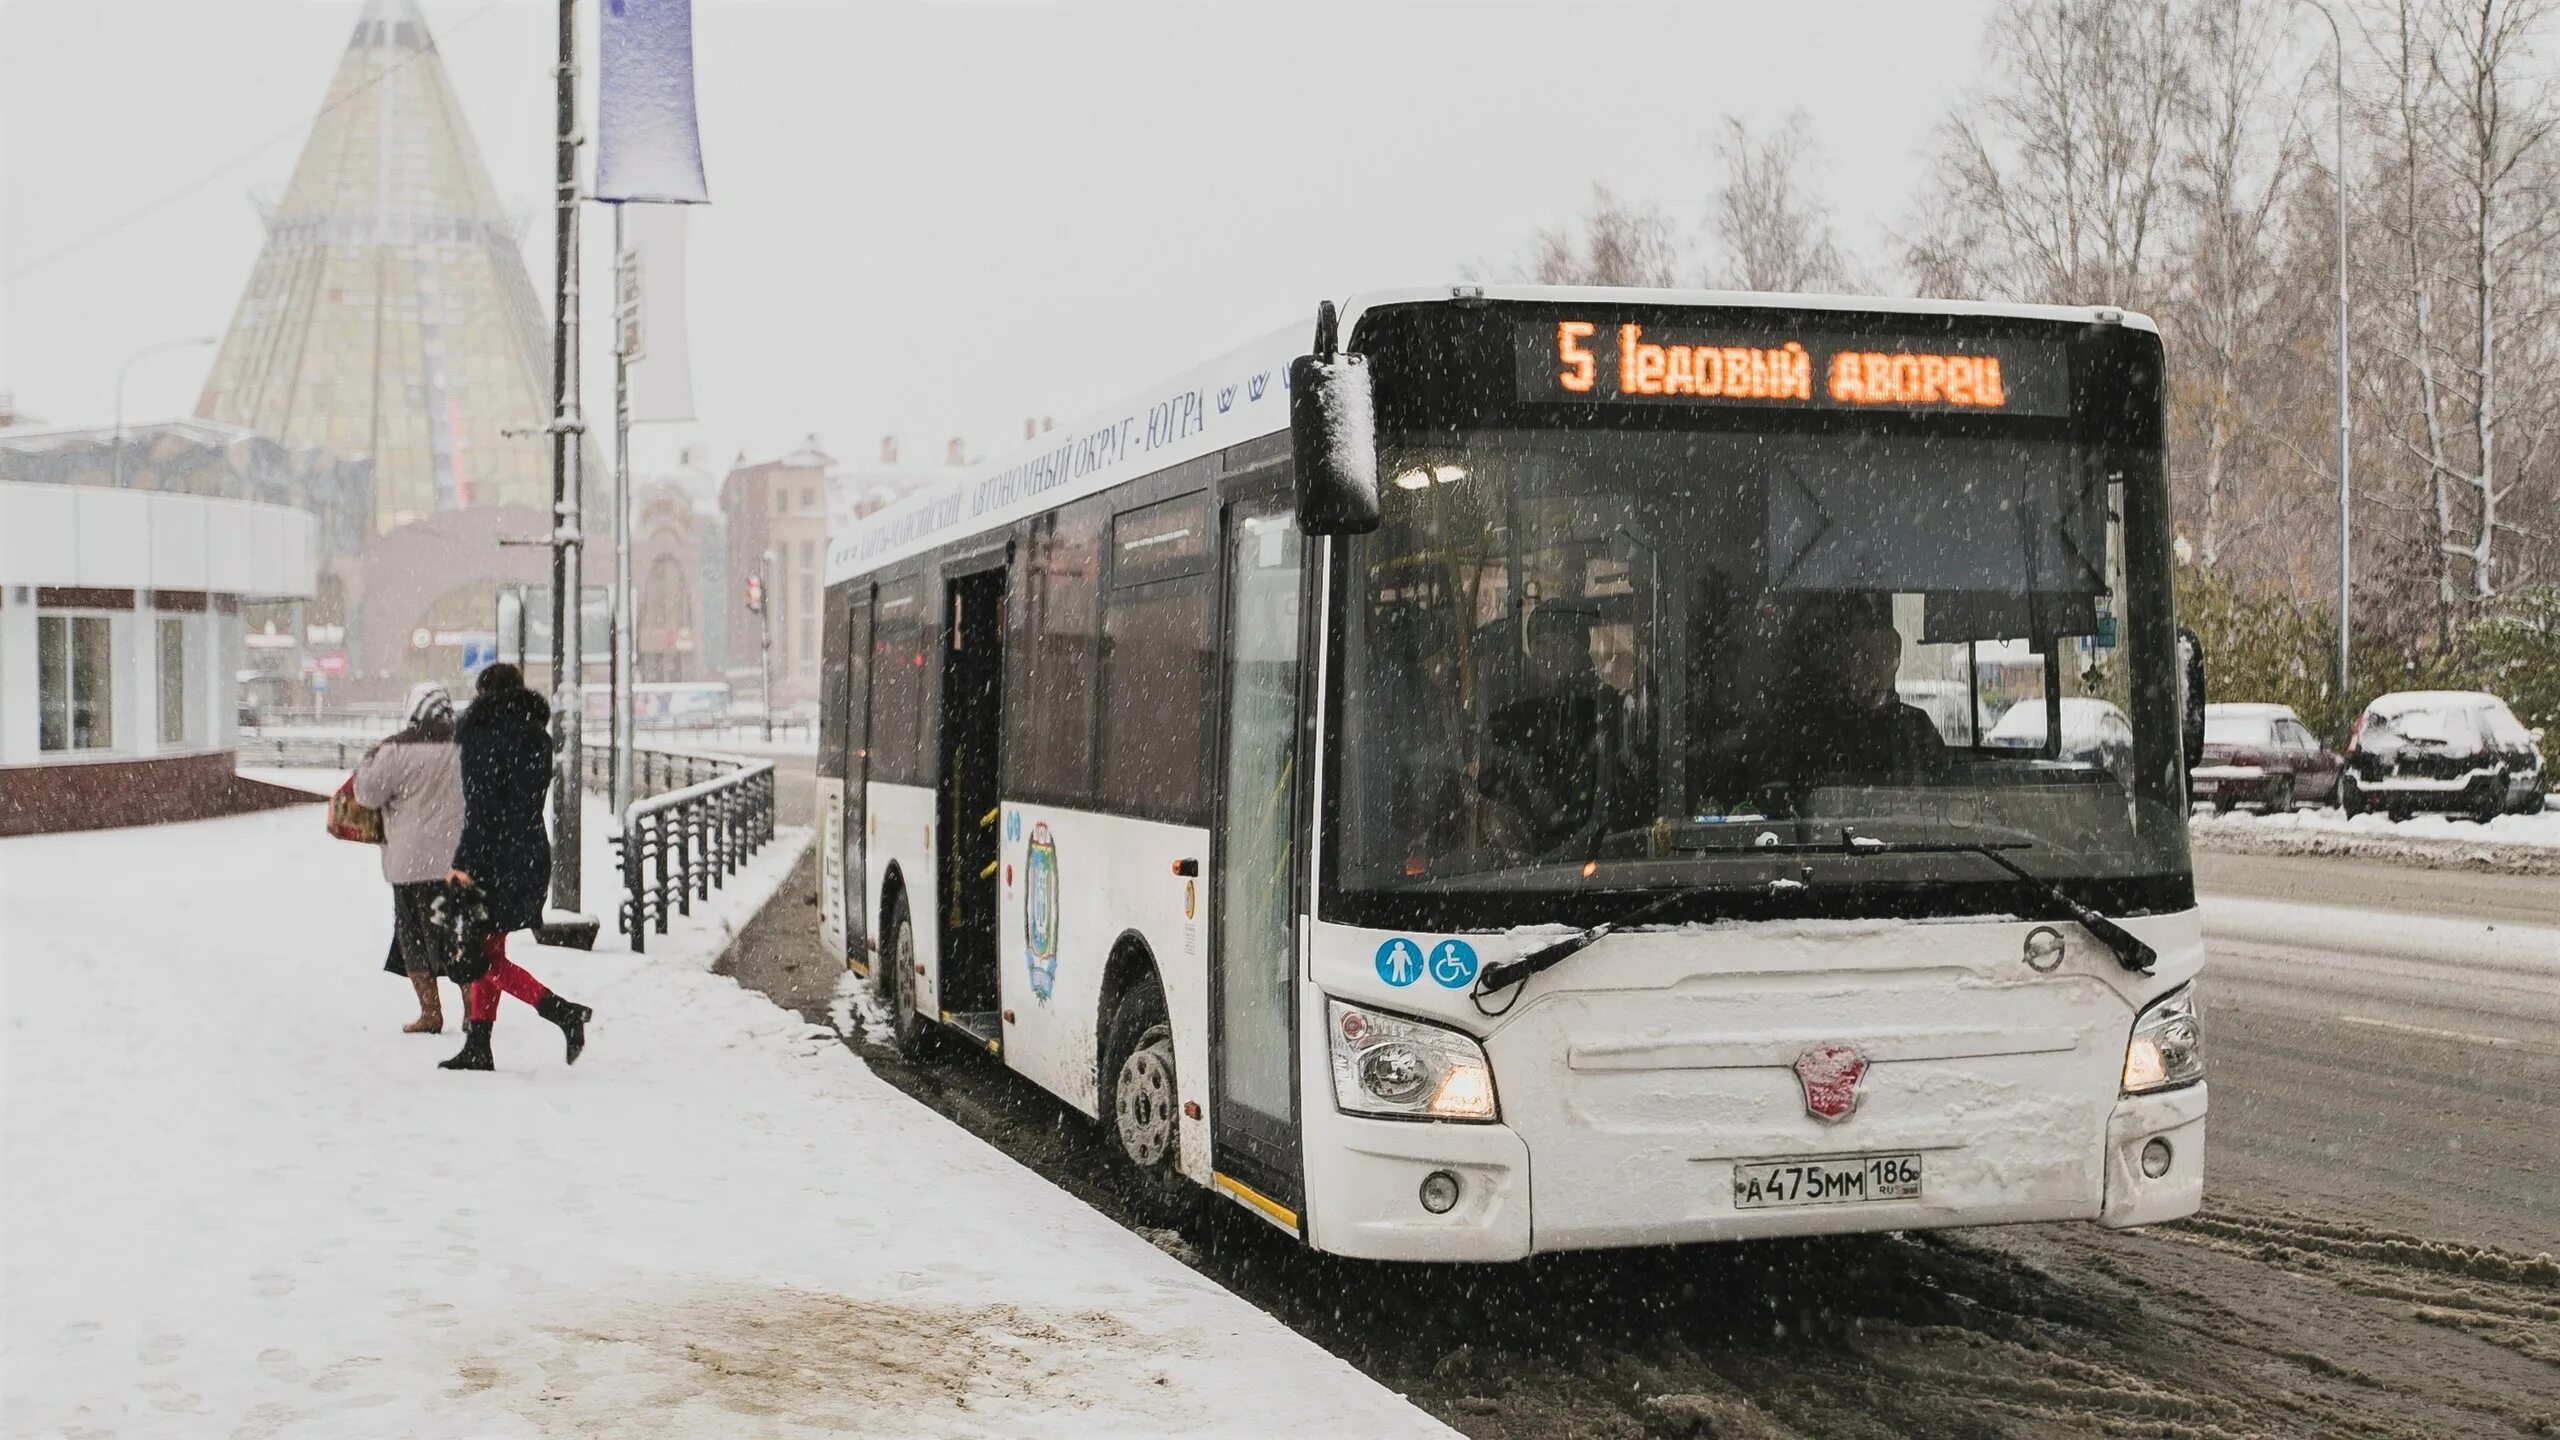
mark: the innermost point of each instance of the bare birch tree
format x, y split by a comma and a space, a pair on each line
2463, 257
2239, 159
1773, 232
2051, 183
2499, 157
1613, 243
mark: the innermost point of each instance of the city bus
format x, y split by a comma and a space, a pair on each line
1472, 813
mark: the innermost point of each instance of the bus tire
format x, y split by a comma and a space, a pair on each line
910, 1033
1141, 1102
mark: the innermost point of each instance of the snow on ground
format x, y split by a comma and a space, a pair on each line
2541, 829
236, 1201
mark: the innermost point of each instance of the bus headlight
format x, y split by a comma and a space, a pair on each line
2167, 1046
1390, 1065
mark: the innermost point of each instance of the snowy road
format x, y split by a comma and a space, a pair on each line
2395, 1062
239, 1203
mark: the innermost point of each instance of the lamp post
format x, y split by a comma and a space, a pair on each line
2338, 48
568, 496
126, 369
764, 639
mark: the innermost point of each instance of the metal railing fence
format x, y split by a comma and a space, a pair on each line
675, 847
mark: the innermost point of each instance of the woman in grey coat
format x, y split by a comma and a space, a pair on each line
414, 778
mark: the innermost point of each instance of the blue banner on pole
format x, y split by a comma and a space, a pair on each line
648, 145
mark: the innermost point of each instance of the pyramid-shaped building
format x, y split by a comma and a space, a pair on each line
390, 316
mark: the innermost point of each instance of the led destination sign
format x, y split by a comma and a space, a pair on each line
1630, 363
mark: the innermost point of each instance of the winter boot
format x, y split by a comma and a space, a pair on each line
474, 1054
572, 1019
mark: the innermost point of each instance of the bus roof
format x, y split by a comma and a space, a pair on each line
1243, 395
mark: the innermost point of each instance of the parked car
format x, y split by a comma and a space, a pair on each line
2457, 750
2094, 732
2263, 755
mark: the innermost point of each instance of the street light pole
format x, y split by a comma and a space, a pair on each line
568, 611
2338, 47
764, 637
624, 650
127, 369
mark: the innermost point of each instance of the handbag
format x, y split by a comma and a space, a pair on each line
463, 918
351, 821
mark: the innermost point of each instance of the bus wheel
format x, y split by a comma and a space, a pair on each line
908, 1028
1143, 1108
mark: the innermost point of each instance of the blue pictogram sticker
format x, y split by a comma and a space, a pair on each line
1399, 962
1453, 963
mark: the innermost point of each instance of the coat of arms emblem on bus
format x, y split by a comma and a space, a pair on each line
1830, 1075
1040, 911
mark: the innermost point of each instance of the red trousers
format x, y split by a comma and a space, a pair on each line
480, 997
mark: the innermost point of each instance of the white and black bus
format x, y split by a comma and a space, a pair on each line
1509, 828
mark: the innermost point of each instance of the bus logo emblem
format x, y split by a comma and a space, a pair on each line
1830, 1076
1040, 911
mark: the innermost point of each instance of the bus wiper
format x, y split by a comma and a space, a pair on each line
2130, 951
1511, 972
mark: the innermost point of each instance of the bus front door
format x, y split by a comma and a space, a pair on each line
1252, 986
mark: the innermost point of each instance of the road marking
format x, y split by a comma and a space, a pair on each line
2502, 1042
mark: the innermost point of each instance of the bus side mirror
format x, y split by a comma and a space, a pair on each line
2191, 696
1333, 434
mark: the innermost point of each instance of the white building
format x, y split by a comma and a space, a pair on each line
120, 644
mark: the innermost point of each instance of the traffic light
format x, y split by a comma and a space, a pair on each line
755, 594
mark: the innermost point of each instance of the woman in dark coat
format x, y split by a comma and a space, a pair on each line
504, 858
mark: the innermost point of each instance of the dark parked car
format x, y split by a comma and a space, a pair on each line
2263, 755
2457, 750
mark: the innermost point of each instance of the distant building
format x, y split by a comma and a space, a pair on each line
778, 514
775, 516
673, 597
296, 646
390, 318
120, 642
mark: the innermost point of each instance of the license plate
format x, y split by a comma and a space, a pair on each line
1825, 1180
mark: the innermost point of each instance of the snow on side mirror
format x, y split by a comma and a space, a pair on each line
1333, 432
2191, 696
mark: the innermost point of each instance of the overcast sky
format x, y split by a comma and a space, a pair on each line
935, 219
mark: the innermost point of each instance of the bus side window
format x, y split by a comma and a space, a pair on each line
1156, 663
1056, 643
897, 685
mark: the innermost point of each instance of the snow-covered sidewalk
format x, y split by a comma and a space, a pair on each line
2541, 828
238, 1202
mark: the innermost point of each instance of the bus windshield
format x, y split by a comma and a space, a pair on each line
1606, 660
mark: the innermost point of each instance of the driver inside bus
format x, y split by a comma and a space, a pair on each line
1556, 757
1851, 722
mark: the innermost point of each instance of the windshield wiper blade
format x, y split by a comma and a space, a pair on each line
2130, 951
1511, 972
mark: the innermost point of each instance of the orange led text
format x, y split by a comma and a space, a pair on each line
1736, 371
1863, 377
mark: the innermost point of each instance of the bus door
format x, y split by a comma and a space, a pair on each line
857, 778
969, 801
1253, 1067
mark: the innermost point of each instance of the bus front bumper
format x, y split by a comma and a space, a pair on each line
1365, 1181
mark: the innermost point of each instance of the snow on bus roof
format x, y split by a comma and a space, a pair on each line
1243, 395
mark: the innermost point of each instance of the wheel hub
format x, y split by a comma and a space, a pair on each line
1144, 1102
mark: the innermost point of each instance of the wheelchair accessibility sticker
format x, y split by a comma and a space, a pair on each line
1451, 964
